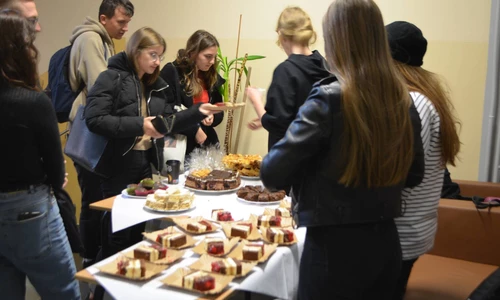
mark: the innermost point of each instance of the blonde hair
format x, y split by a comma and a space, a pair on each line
294, 24
144, 38
377, 145
427, 83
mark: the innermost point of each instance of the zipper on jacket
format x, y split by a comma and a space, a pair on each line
157, 158
139, 109
150, 94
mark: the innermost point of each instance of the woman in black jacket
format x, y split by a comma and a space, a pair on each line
354, 145
121, 106
193, 75
33, 242
292, 79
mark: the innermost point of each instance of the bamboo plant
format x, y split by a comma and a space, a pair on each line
225, 67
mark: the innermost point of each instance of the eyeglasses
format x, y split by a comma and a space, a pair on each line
155, 57
33, 20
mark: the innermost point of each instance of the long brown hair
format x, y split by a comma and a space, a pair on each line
427, 83
377, 143
18, 54
197, 42
144, 38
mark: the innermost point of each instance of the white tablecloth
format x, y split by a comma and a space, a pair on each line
278, 277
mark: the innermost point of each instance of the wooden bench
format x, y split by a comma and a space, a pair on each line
466, 249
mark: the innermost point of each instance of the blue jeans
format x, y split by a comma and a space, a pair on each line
36, 247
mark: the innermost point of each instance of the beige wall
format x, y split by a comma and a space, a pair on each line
457, 31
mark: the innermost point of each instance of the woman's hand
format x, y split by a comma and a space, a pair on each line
255, 96
208, 120
149, 129
255, 124
201, 136
208, 109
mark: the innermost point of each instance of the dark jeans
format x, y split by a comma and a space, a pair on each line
134, 167
359, 261
90, 219
406, 267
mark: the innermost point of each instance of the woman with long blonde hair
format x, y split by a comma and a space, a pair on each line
417, 227
348, 154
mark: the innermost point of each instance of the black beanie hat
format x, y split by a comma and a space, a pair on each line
407, 43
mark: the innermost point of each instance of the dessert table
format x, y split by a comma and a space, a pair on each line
277, 277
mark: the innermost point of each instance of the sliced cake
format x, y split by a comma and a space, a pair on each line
279, 235
282, 212
214, 246
131, 268
221, 215
150, 253
268, 221
199, 227
228, 266
240, 230
253, 251
200, 281
172, 240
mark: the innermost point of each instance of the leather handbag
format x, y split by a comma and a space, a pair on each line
86, 148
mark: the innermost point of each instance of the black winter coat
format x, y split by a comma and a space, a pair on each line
173, 75
114, 104
308, 157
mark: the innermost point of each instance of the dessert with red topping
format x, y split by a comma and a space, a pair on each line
214, 246
200, 281
228, 266
279, 235
221, 215
268, 221
131, 268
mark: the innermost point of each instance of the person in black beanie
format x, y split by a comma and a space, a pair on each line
417, 227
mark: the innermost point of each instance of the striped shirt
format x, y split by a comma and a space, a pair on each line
418, 224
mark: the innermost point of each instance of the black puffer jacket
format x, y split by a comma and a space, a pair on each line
113, 109
308, 158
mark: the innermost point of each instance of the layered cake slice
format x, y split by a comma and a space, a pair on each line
282, 212
200, 281
228, 266
267, 221
214, 246
150, 253
133, 268
221, 215
199, 227
279, 235
172, 240
240, 230
253, 251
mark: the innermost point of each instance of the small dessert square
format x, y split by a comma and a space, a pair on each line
171, 239
200, 281
214, 246
267, 221
228, 266
282, 212
150, 253
279, 235
199, 227
221, 215
242, 231
131, 268
253, 251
